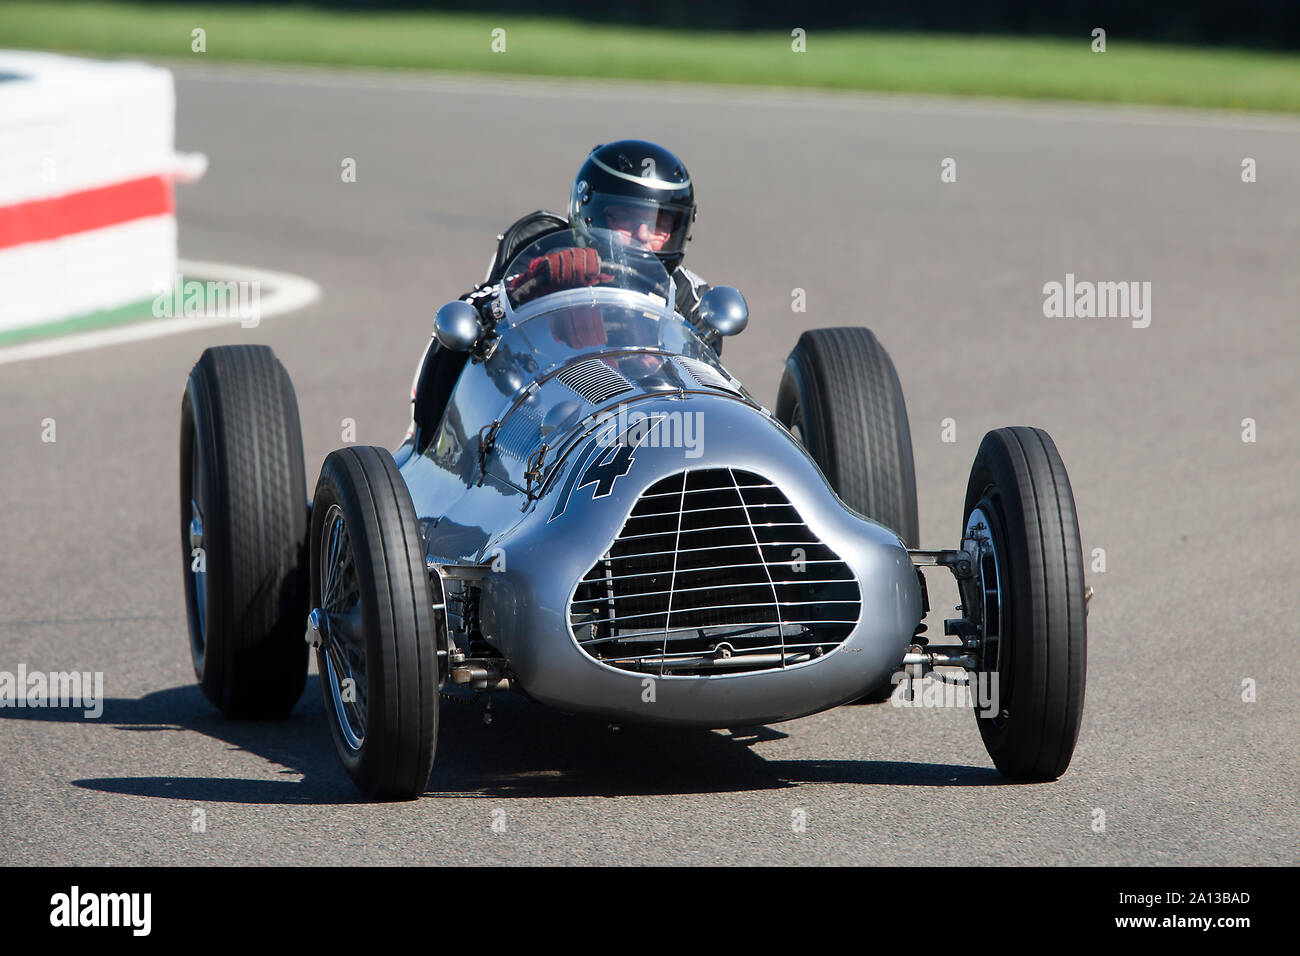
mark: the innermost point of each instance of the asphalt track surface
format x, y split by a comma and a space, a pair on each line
839, 195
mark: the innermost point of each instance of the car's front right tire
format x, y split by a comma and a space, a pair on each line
374, 622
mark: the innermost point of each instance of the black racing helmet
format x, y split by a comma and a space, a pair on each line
636, 192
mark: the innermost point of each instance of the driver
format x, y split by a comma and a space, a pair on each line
632, 193
629, 192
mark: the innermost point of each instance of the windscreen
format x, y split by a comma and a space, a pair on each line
556, 264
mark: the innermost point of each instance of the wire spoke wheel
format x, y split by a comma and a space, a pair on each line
979, 527
198, 575
343, 651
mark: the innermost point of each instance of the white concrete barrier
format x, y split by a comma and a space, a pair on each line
87, 165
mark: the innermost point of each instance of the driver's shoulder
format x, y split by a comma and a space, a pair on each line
684, 276
531, 227
690, 288
523, 232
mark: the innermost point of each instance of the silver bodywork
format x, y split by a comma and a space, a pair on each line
501, 488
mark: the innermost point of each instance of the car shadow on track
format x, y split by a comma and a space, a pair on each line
533, 751
301, 745
528, 751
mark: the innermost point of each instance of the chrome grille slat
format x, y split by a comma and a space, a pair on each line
724, 632
774, 649
700, 511
712, 528
709, 587
698, 491
765, 609
739, 608
729, 567
718, 547
656, 634
758, 545
765, 649
704, 509
668, 615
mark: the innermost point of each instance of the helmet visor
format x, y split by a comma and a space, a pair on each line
641, 223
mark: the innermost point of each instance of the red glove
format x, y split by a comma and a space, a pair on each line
562, 269
579, 328
567, 268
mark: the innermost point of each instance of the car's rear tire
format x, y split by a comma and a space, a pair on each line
1034, 616
243, 531
371, 588
841, 397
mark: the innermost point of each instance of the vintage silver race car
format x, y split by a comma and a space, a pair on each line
589, 508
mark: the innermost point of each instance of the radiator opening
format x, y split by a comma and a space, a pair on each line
714, 572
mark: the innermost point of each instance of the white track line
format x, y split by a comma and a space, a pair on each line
515, 86
279, 292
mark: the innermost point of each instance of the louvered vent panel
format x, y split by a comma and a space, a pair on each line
595, 381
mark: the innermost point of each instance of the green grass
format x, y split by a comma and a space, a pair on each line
1029, 68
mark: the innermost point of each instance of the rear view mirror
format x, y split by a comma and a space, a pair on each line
457, 326
724, 310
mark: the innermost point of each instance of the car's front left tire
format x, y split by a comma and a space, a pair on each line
1034, 616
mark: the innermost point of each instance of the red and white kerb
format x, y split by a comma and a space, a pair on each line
87, 167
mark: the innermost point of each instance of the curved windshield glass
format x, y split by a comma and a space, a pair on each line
557, 264
618, 334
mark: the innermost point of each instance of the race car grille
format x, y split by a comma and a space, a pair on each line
714, 572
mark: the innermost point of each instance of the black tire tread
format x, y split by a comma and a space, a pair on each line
1044, 550
246, 414
855, 423
398, 752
